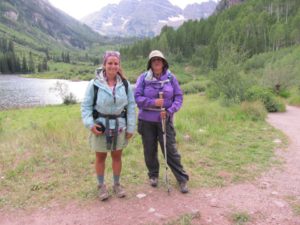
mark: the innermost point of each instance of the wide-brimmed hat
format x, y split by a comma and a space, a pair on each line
157, 53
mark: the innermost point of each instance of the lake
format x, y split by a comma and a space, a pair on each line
17, 91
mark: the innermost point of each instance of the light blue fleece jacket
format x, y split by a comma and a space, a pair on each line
105, 103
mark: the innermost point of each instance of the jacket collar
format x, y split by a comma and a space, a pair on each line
150, 76
100, 77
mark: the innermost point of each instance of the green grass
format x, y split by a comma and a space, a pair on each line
83, 71
185, 219
296, 209
59, 70
294, 98
294, 203
44, 153
240, 218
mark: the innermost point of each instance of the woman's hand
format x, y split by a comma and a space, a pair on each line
129, 135
95, 131
163, 114
159, 102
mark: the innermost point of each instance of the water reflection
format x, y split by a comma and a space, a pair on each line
16, 91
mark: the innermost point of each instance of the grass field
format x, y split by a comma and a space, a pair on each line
44, 153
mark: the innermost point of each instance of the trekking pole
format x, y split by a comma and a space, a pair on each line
163, 125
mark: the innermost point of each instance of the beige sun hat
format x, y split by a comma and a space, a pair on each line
157, 53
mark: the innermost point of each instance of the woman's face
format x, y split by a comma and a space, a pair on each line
112, 66
157, 65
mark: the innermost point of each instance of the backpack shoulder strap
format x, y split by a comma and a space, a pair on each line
96, 88
143, 78
170, 77
125, 83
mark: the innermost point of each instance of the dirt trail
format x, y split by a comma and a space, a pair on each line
267, 199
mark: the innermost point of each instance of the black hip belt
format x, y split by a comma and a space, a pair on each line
111, 134
112, 116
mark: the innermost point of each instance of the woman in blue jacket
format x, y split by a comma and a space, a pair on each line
108, 110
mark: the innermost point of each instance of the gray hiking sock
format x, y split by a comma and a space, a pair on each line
116, 179
100, 179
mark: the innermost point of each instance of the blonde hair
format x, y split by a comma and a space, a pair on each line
121, 73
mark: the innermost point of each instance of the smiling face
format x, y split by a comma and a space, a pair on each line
112, 66
157, 65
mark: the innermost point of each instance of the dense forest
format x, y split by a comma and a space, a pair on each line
253, 27
10, 62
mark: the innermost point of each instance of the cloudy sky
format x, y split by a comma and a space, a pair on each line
81, 8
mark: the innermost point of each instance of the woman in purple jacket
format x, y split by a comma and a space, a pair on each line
158, 79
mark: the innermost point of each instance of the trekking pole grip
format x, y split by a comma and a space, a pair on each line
161, 94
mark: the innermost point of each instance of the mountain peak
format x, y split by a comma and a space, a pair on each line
43, 23
143, 18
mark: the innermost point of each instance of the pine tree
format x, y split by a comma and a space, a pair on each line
18, 65
4, 65
40, 68
11, 47
11, 62
3, 44
31, 66
24, 65
45, 64
67, 58
63, 58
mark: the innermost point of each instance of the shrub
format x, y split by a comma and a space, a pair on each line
278, 77
280, 105
62, 91
1, 124
256, 62
254, 110
268, 98
70, 99
228, 81
192, 87
284, 94
295, 100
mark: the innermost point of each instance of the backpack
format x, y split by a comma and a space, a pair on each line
96, 88
170, 77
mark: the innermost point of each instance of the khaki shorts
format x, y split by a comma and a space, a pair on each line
98, 143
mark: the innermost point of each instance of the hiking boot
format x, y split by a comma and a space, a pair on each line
183, 187
119, 190
153, 181
103, 192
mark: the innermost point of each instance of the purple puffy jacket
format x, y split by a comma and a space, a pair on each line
147, 90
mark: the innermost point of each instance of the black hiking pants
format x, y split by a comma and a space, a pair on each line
152, 133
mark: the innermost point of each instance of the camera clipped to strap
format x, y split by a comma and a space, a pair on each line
101, 127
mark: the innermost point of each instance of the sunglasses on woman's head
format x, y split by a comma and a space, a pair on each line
112, 53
